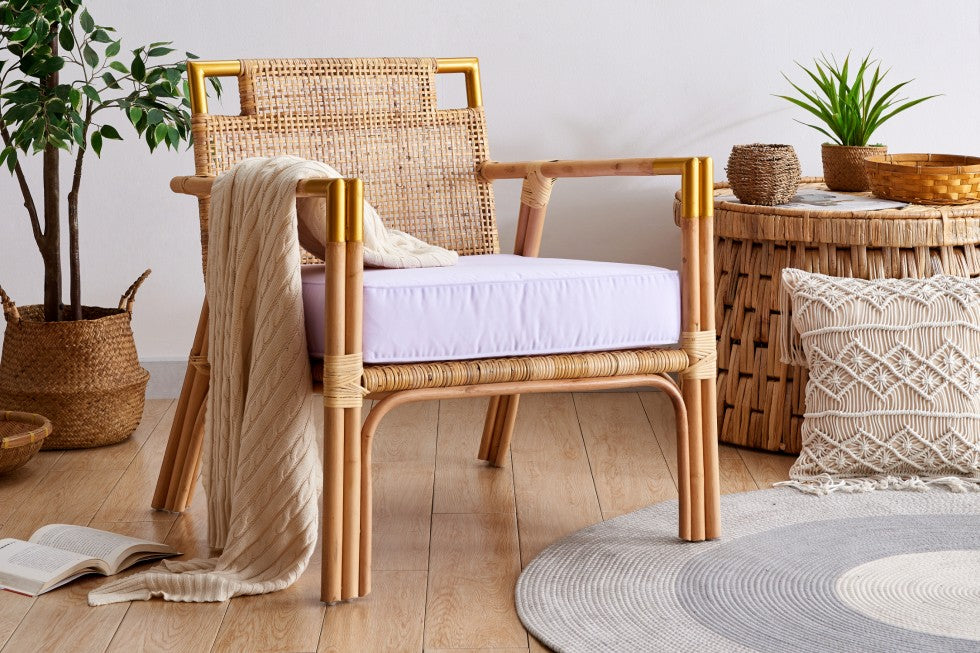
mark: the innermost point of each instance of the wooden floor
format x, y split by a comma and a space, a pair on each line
451, 534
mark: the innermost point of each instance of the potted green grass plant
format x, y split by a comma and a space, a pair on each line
851, 108
64, 80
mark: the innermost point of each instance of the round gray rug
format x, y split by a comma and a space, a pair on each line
875, 572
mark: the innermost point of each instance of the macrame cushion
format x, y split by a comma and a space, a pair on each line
893, 398
496, 305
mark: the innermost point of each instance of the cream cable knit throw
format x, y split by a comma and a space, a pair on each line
261, 471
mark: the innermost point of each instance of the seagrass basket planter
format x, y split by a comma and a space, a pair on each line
843, 166
925, 178
762, 400
21, 436
83, 375
763, 174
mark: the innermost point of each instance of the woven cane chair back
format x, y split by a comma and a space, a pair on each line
375, 119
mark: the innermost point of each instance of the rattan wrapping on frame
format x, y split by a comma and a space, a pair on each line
761, 400
374, 119
390, 378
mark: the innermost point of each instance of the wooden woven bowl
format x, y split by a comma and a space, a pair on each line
21, 435
925, 178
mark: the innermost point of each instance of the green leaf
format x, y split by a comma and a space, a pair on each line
108, 131
154, 116
110, 81
66, 39
138, 68
119, 66
91, 93
75, 98
21, 35
90, 56
159, 52
173, 137
113, 49
101, 36
12, 160
97, 143
160, 132
135, 113
7, 151
85, 20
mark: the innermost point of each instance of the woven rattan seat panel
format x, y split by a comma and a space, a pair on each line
390, 378
370, 118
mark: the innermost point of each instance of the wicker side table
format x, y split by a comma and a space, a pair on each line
761, 400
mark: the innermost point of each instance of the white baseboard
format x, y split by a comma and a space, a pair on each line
166, 377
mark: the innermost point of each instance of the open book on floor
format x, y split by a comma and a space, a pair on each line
59, 553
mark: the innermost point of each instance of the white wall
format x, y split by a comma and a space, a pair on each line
561, 78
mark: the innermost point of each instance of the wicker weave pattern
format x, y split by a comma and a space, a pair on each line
21, 436
761, 400
89, 382
374, 119
925, 178
389, 378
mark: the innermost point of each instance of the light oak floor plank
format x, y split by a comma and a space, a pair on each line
629, 469
464, 483
474, 564
391, 618
553, 483
130, 498
767, 468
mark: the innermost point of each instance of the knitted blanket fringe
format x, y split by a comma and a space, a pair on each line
261, 470
826, 484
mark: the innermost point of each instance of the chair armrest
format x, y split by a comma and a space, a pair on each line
200, 186
490, 170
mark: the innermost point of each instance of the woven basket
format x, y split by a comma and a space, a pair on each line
21, 436
843, 166
925, 178
84, 375
763, 174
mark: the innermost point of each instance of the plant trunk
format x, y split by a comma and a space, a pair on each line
52, 222
74, 263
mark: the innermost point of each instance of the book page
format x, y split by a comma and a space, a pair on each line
90, 542
26, 567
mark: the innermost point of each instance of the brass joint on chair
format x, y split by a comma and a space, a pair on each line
707, 199
702, 349
536, 190
336, 210
691, 188
355, 210
342, 381
198, 71
470, 67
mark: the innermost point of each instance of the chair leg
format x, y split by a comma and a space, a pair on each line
333, 505
181, 458
499, 429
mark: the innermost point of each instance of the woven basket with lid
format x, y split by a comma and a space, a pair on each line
83, 375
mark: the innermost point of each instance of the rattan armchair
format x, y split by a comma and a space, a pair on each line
428, 172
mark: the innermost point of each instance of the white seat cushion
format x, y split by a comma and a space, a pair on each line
497, 305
